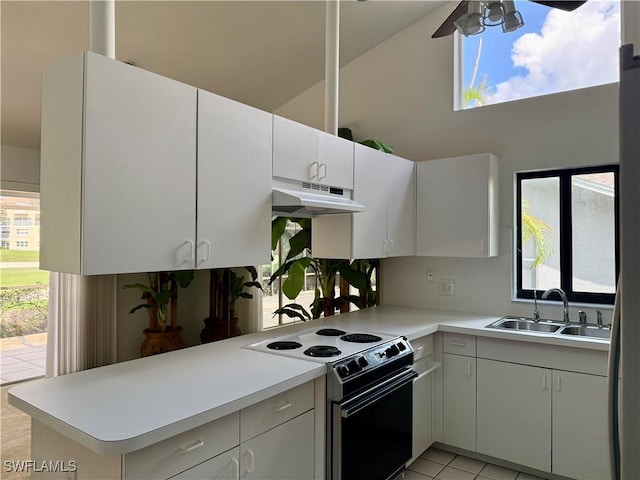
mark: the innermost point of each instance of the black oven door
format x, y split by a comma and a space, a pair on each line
371, 432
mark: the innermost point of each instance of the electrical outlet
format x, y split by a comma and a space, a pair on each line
430, 276
447, 287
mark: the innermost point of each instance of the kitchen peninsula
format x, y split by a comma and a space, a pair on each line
123, 418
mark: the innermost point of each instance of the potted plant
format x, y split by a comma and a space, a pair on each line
161, 302
227, 287
325, 271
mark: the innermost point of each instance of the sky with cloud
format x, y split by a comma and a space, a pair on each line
555, 51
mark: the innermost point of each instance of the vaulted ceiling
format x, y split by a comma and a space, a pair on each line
262, 53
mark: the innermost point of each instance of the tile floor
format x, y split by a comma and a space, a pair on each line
22, 358
441, 465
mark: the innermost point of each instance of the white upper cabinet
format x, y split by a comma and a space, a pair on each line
129, 158
457, 207
234, 183
309, 155
118, 169
385, 185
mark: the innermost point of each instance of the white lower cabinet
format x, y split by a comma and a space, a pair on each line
284, 452
534, 414
225, 466
514, 413
423, 394
580, 435
459, 405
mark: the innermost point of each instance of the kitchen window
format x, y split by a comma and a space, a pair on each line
555, 51
568, 233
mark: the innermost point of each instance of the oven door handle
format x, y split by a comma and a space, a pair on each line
376, 393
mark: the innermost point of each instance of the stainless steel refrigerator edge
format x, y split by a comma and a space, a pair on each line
626, 425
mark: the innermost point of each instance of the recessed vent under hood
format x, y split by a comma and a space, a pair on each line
310, 199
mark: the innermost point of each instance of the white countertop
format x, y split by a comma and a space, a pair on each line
127, 406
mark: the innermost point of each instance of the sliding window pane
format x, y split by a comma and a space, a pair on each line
593, 232
540, 233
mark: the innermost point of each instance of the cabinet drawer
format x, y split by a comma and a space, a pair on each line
269, 413
176, 454
459, 344
422, 347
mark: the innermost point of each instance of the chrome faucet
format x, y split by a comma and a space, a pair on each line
565, 302
536, 313
599, 318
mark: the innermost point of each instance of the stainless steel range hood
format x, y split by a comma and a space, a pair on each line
303, 199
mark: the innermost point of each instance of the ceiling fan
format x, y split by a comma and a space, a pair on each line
470, 17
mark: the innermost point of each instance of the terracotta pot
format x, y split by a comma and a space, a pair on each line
156, 342
219, 329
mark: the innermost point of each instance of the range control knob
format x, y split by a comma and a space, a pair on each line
392, 351
402, 346
363, 362
343, 370
354, 366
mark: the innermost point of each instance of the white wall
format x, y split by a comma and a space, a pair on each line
20, 169
402, 93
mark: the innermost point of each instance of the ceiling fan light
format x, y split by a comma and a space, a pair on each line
471, 22
512, 22
493, 14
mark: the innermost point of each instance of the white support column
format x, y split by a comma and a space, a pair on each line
102, 15
332, 65
630, 18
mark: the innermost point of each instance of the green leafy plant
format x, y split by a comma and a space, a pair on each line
542, 234
347, 134
237, 286
325, 272
160, 294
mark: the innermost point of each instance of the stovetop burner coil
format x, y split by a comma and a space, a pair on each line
284, 345
360, 338
322, 351
330, 332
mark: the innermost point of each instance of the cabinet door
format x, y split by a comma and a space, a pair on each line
225, 466
422, 407
309, 155
514, 413
401, 205
139, 170
283, 453
370, 189
457, 207
459, 409
234, 183
580, 432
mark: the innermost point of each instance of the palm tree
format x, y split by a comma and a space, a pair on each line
542, 234
477, 95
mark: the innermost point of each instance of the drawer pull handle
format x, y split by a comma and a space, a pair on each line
559, 384
544, 382
236, 465
313, 175
324, 175
191, 448
458, 344
251, 464
468, 369
282, 407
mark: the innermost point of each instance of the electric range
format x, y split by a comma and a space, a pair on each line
369, 397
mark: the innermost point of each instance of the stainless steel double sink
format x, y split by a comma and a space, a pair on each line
550, 326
